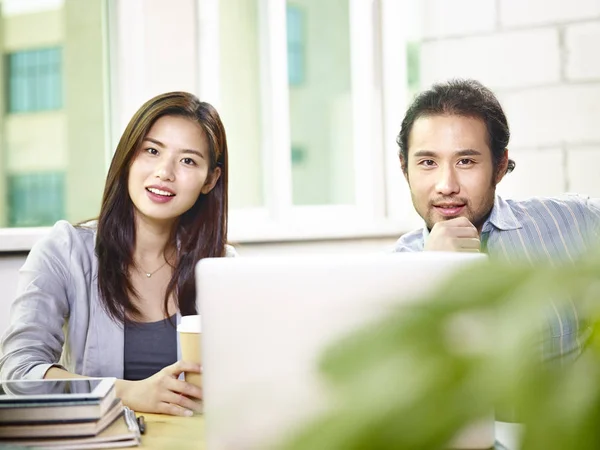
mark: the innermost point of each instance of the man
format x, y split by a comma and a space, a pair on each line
453, 152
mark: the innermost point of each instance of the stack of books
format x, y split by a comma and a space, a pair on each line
67, 414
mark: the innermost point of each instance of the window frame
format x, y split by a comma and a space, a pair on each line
378, 82
22, 239
379, 85
26, 71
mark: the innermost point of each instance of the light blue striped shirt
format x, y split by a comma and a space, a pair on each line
554, 230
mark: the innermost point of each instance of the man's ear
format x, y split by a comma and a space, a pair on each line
403, 167
502, 167
211, 180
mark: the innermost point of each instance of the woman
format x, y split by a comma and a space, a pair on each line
102, 298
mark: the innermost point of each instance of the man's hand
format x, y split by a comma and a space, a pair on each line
163, 392
454, 235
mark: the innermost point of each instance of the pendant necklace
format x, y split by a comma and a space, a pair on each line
149, 274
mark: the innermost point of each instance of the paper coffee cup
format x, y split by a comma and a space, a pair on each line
190, 335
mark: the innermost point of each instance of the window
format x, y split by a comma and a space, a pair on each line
295, 45
34, 80
312, 94
321, 107
52, 153
237, 92
413, 55
36, 199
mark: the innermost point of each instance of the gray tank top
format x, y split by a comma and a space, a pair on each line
149, 347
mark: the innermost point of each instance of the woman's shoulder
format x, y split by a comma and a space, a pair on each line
67, 240
83, 233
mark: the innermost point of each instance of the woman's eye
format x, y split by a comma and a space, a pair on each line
152, 151
188, 161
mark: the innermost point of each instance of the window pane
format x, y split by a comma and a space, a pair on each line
295, 44
240, 94
34, 80
36, 199
52, 153
320, 102
413, 66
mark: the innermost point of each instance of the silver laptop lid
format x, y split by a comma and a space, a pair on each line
267, 320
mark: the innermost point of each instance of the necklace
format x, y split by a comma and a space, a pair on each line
149, 274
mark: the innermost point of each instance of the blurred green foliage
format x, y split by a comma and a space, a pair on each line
415, 377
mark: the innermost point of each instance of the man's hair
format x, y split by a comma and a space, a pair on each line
468, 98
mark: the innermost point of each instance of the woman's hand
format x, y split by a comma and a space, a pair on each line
163, 392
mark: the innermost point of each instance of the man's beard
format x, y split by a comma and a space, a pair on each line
477, 218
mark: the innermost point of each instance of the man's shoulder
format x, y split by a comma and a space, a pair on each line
567, 213
572, 203
557, 228
410, 242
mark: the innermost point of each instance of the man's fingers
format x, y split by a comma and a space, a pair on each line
463, 232
456, 234
456, 222
455, 228
469, 243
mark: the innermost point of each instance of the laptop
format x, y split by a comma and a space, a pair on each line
266, 321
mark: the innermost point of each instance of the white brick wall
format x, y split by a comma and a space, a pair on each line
584, 170
583, 57
542, 58
554, 115
518, 184
535, 12
500, 60
442, 18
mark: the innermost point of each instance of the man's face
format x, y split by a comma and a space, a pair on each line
450, 170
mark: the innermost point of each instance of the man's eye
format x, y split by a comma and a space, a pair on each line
465, 162
427, 163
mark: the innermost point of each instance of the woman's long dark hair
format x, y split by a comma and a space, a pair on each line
200, 232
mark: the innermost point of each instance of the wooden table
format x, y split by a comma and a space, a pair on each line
183, 433
165, 432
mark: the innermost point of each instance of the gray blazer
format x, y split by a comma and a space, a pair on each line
57, 318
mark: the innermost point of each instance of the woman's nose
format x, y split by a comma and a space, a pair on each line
165, 171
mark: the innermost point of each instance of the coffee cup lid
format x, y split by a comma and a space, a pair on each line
190, 324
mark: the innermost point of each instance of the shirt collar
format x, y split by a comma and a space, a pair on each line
502, 217
425, 233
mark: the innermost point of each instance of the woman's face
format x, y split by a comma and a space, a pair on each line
170, 170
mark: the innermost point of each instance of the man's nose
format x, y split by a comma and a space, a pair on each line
447, 183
